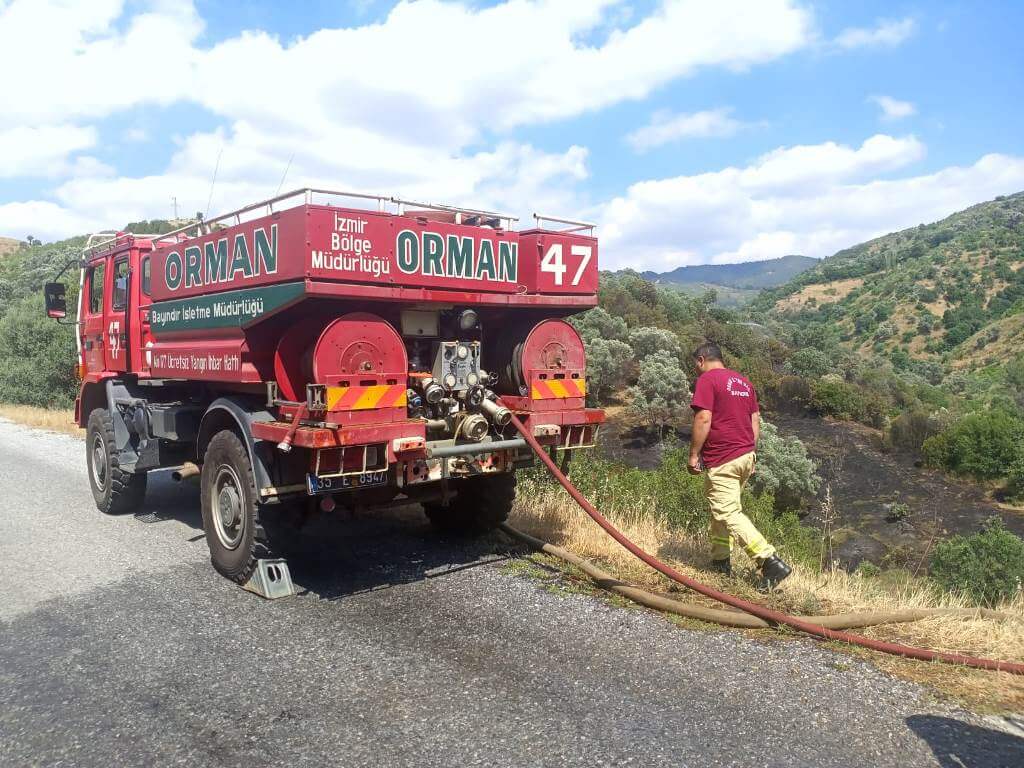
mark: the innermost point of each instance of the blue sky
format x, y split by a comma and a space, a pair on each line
692, 132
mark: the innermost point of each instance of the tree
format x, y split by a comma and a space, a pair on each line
598, 323
784, 468
1015, 373
646, 341
607, 362
809, 363
662, 391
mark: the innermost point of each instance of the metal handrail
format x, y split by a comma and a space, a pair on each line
204, 227
91, 248
575, 226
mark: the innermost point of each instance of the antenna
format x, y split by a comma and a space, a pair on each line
213, 183
174, 200
284, 175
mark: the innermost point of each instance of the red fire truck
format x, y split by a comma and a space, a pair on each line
300, 355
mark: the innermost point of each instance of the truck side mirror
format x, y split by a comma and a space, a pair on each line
56, 301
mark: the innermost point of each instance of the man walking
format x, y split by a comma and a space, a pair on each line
726, 424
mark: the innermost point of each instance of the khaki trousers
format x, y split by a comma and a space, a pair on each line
724, 488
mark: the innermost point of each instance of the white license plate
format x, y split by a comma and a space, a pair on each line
319, 485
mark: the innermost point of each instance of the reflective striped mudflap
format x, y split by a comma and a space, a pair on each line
365, 398
550, 389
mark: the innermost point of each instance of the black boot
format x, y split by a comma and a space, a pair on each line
722, 566
774, 571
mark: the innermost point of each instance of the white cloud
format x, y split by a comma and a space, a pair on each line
41, 151
41, 218
886, 32
419, 104
665, 127
894, 109
812, 200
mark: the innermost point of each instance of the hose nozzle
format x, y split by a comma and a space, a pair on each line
498, 414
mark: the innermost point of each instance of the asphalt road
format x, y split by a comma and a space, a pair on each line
119, 645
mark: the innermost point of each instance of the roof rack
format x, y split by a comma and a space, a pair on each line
572, 226
305, 196
97, 241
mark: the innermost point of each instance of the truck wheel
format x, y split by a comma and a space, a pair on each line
114, 490
480, 505
230, 508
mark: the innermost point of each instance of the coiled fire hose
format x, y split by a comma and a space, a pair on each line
766, 614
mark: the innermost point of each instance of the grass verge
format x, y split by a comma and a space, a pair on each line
42, 418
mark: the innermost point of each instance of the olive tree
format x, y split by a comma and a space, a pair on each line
608, 360
784, 468
646, 341
598, 323
661, 392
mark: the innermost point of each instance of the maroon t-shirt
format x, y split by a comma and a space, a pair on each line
731, 399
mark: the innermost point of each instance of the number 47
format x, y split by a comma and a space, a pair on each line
552, 261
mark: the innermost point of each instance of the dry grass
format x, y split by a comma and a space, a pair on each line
42, 418
820, 292
8, 245
1011, 336
555, 518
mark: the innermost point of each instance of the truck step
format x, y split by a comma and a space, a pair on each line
271, 580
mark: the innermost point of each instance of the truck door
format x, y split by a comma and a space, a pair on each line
92, 329
141, 297
116, 319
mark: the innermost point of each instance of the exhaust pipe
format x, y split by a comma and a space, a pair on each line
186, 471
498, 414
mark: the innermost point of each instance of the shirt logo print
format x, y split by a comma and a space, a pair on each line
737, 387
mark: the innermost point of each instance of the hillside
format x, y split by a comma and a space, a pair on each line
8, 245
951, 292
746, 275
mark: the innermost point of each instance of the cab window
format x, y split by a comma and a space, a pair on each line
145, 276
96, 289
119, 298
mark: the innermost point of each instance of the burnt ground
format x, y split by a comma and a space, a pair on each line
864, 483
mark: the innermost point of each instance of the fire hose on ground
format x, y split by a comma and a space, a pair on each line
827, 628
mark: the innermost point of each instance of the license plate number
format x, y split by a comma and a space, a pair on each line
318, 485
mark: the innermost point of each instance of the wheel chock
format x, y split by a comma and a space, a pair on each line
271, 580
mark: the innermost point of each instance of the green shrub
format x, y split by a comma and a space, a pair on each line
868, 570
38, 362
908, 431
784, 469
988, 566
842, 400
809, 363
984, 445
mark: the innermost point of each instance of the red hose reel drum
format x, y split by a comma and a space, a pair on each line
358, 349
550, 364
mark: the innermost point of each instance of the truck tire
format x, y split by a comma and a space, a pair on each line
231, 511
115, 490
481, 504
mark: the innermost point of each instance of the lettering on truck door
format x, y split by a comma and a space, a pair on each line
116, 319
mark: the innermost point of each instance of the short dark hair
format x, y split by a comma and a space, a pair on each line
709, 351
